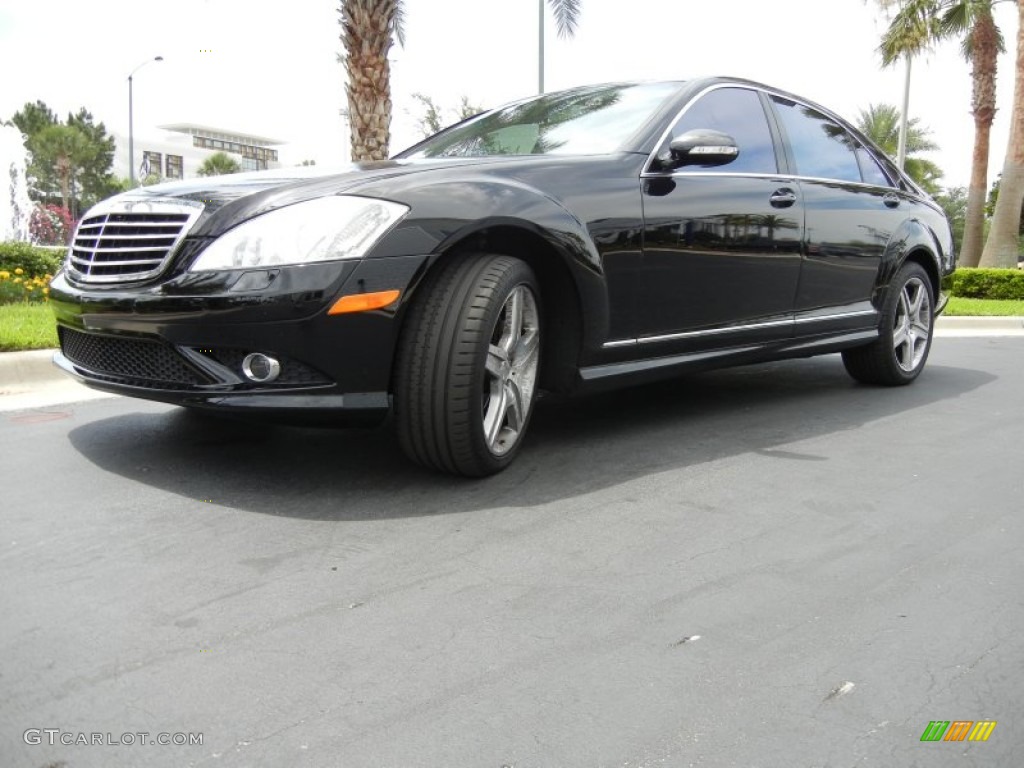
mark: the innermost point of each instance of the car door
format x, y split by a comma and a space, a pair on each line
851, 212
721, 253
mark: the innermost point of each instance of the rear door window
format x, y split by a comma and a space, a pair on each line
822, 148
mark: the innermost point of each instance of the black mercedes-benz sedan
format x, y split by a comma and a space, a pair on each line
567, 242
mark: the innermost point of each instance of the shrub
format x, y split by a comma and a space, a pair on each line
971, 283
50, 225
31, 259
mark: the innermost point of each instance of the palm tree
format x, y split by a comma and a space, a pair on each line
218, 164
1001, 248
881, 124
567, 16
918, 25
368, 29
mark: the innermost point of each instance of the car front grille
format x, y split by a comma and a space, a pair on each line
128, 241
137, 362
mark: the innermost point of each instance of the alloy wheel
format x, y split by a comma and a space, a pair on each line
511, 370
913, 324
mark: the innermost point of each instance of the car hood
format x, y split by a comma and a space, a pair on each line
230, 199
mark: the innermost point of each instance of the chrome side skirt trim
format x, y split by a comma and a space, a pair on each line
735, 329
838, 316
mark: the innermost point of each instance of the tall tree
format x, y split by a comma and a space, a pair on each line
567, 16
218, 164
66, 150
1001, 247
95, 178
881, 124
433, 119
61, 166
431, 122
32, 118
954, 203
919, 24
368, 29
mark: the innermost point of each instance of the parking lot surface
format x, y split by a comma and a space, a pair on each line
769, 566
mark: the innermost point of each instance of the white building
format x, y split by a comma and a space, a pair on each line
177, 151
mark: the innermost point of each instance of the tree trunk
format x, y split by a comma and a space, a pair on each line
1001, 248
367, 28
64, 174
984, 57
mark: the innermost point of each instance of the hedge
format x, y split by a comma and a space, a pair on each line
35, 260
972, 283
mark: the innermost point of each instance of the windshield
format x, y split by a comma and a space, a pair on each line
583, 121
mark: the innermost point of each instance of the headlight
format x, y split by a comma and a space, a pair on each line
325, 229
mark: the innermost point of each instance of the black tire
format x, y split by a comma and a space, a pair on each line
465, 381
898, 355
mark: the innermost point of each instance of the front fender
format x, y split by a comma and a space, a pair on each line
450, 212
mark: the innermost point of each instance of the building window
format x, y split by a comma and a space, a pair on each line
174, 167
152, 164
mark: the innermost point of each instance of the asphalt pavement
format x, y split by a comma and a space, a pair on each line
765, 566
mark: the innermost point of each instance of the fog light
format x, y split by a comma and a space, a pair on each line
260, 368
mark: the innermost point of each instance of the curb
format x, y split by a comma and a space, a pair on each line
20, 370
24, 371
961, 323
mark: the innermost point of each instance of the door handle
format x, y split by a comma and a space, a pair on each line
891, 200
782, 198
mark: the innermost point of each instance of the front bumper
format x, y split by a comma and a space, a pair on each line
291, 406
183, 342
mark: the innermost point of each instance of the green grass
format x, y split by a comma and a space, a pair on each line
984, 307
26, 325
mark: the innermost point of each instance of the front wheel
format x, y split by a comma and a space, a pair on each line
467, 366
898, 355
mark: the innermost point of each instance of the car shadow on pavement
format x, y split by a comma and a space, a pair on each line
575, 446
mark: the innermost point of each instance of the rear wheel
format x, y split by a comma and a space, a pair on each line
467, 366
899, 354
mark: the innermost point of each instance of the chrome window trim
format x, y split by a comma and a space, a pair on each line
692, 174
679, 116
647, 173
192, 209
736, 328
781, 177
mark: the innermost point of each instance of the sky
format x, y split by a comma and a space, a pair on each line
271, 68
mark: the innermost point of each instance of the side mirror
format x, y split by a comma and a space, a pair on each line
700, 147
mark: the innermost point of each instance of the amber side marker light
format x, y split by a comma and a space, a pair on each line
362, 302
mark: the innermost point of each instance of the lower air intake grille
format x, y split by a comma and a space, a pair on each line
133, 361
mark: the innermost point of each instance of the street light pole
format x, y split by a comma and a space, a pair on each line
901, 151
131, 131
540, 46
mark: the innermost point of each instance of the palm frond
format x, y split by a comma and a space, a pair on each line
567, 16
913, 30
969, 18
398, 22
